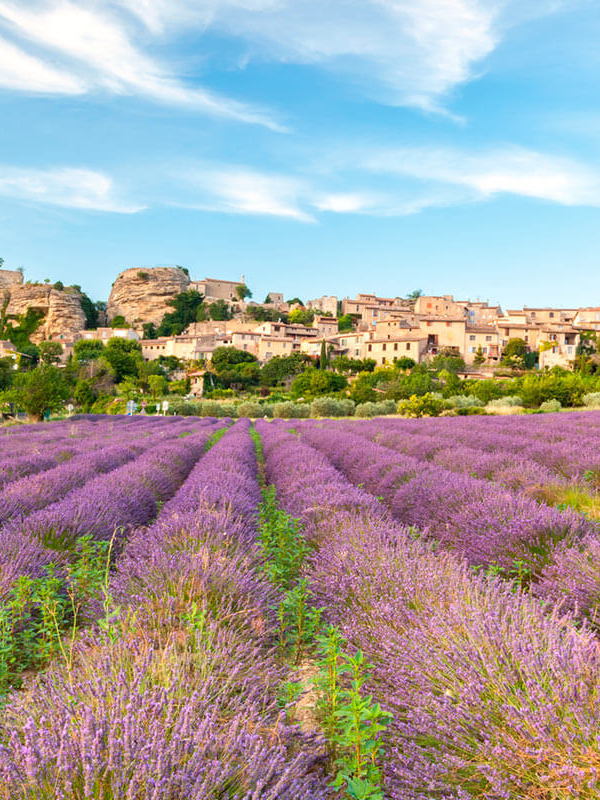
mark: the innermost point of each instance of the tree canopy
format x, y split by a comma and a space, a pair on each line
40, 390
185, 308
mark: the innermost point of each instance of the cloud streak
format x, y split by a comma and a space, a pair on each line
66, 187
401, 52
96, 53
506, 170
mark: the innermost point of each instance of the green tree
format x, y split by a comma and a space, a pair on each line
479, 357
295, 301
124, 356
262, 314
149, 330
242, 291
158, 385
314, 383
87, 350
514, 352
301, 316
84, 395
447, 360
89, 308
185, 309
40, 390
219, 311
170, 363
353, 365
50, 352
226, 357
30, 355
6, 373
119, 321
278, 368
324, 356
346, 322
405, 362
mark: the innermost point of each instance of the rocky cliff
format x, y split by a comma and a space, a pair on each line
141, 295
62, 310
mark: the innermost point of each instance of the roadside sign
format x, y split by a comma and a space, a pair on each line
70, 407
165, 405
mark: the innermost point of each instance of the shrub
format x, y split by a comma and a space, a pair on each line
428, 405
511, 401
592, 400
464, 401
330, 407
367, 409
385, 407
550, 406
183, 409
348, 407
285, 410
209, 408
302, 411
228, 410
250, 409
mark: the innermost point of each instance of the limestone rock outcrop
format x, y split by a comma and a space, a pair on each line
141, 295
63, 314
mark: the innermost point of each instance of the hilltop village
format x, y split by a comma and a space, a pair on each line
366, 326
163, 334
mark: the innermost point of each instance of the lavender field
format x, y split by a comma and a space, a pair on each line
195, 609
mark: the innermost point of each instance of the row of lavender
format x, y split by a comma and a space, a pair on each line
492, 696
556, 550
513, 450
114, 483
179, 701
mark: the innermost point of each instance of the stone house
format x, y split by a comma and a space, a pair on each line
217, 289
386, 351
325, 326
443, 333
485, 337
104, 334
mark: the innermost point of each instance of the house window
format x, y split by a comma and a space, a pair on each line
383, 360
370, 347
472, 337
551, 314
395, 345
408, 345
488, 338
384, 347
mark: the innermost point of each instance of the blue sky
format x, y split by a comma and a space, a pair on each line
317, 147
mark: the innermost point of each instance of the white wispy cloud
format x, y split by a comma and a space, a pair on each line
238, 190
96, 52
405, 52
502, 170
19, 70
388, 182
67, 187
